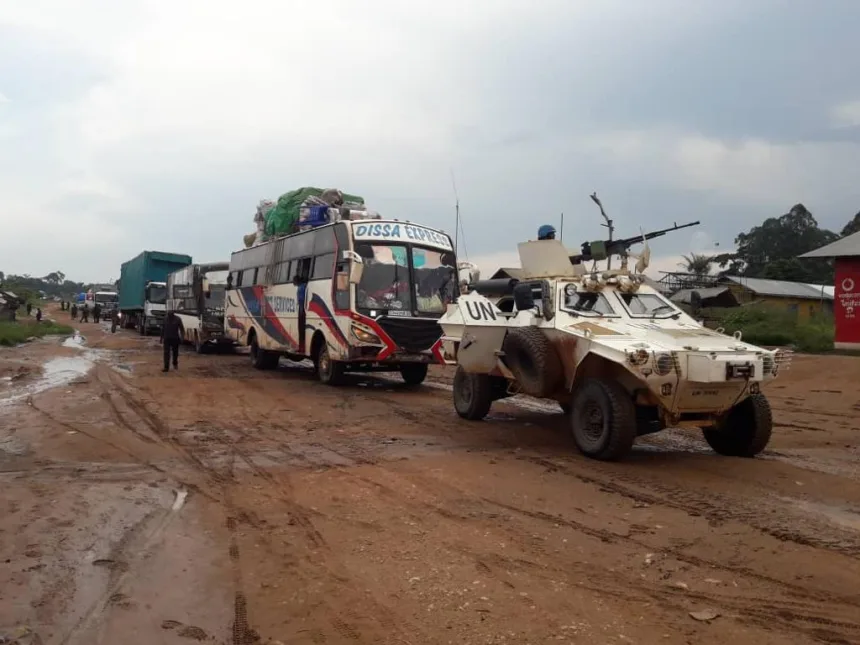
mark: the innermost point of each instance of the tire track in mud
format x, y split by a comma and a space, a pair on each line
624, 483
816, 613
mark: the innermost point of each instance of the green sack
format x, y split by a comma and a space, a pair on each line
284, 217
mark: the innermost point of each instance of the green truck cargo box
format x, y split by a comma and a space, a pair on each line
149, 266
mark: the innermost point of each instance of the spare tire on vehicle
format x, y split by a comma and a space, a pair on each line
533, 360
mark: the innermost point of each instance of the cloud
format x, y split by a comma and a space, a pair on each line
846, 115
4, 99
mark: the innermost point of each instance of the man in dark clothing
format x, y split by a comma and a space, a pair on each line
85, 313
171, 335
97, 312
29, 308
38, 315
114, 320
74, 311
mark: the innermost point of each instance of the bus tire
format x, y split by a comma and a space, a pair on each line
413, 373
329, 371
261, 358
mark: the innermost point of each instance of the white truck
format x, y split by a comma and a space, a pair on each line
196, 295
107, 302
620, 359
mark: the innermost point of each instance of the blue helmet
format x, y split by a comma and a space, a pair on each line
546, 232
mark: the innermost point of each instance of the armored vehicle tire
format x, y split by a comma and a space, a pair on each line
745, 430
329, 371
413, 373
533, 360
261, 358
603, 419
473, 394
566, 408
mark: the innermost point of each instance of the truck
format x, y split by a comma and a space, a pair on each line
196, 295
143, 289
107, 301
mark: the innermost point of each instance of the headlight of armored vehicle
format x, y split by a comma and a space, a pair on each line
570, 290
663, 364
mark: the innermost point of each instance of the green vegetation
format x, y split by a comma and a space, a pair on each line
12, 333
767, 325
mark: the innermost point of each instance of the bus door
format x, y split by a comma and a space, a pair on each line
302, 275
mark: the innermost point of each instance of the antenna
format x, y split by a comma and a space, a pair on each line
457, 216
608, 225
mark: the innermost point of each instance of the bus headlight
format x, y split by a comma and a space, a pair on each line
364, 336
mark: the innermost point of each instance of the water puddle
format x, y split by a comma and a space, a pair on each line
56, 372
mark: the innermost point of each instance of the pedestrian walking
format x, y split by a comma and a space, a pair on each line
170, 337
38, 315
97, 312
85, 313
74, 311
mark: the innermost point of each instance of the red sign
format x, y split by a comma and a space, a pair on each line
846, 304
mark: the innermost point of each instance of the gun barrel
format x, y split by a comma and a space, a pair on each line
615, 247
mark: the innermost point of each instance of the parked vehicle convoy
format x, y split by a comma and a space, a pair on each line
620, 359
143, 289
353, 295
107, 301
196, 295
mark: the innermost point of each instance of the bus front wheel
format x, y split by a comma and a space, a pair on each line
329, 371
413, 373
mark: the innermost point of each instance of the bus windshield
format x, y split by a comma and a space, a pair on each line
106, 297
385, 280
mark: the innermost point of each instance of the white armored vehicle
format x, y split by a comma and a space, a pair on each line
620, 359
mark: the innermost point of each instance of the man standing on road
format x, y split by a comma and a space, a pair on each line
97, 312
74, 311
114, 320
85, 313
170, 337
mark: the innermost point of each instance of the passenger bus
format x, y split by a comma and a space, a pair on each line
196, 296
354, 295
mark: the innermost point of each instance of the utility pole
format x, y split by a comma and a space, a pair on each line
456, 217
608, 225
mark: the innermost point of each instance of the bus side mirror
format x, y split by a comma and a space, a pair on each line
357, 268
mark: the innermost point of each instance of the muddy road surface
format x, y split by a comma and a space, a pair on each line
218, 504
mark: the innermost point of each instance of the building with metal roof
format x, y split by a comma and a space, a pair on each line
781, 288
845, 253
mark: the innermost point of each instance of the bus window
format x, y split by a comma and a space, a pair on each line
435, 279
323, 266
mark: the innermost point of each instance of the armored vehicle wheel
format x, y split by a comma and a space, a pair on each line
566, 408
329, 371
533, 360
261, 358
473, 394
745, 430
603, 419
413, 373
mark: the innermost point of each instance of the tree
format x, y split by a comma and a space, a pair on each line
55, 278
771, 249
852, 227
697, 263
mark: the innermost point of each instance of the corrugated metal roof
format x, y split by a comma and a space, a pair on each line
846, 247
783, 288
515, 273
683, 296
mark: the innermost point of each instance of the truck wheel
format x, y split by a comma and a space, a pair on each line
329, 371
745, 430
603, 419
533, 360
261, 358
413, 373
473, 394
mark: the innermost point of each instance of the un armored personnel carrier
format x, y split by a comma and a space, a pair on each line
620, 359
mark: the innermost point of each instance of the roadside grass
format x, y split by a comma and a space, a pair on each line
765, 325
14, 333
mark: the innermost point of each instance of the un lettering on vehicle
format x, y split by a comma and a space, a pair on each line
481, 311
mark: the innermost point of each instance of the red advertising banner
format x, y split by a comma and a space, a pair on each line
846, 304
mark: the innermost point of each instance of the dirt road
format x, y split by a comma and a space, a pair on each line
220, 504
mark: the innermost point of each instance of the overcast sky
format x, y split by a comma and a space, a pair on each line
159, 125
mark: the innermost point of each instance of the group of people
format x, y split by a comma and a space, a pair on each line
85, 312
